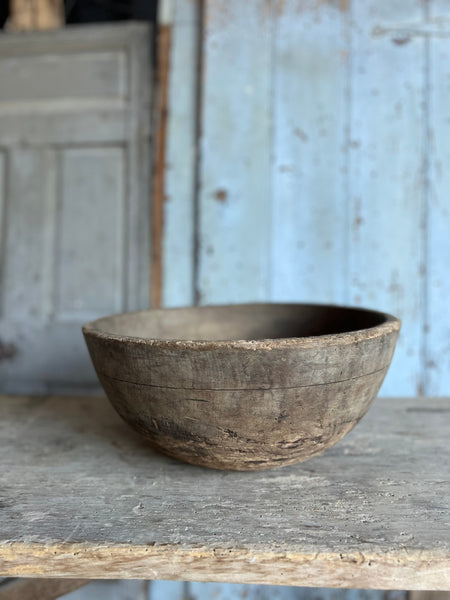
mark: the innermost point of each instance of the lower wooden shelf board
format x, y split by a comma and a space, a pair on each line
83, 496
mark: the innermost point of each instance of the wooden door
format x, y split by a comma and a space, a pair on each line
74, 196
323, 138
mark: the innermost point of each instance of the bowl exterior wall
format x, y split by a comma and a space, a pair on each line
242, 408
244, 429
224, 366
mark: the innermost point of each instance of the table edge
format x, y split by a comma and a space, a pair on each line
403, 569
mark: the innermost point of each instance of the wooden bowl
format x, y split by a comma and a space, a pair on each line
243, 387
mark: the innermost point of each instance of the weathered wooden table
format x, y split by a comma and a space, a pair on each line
82, 496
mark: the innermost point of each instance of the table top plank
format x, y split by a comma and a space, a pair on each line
82, 495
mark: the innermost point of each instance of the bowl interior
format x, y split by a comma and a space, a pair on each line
240, 322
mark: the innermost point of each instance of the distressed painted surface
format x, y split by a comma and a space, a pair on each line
170, 590
438, 213
82, 288
80, 76
178, 590
179, 207
113, 590
370, 251
386, 178
235, 180
324, 140
3, 158
355, 103
29, 216
309, 216
234, 591
74, 198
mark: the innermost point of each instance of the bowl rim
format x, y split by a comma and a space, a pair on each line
391, 324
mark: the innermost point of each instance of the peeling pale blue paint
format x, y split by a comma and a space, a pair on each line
324, 141
323, 178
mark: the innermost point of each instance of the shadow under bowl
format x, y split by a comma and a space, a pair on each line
243, 387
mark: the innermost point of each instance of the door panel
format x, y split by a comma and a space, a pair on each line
74, 134
91, 223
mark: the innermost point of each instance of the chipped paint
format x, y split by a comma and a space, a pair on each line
8, 350
401, 41
341, 5
221, 195
301, 134
367, 95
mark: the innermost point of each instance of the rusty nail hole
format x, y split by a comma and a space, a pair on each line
221, 195
7, 351
401, 41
